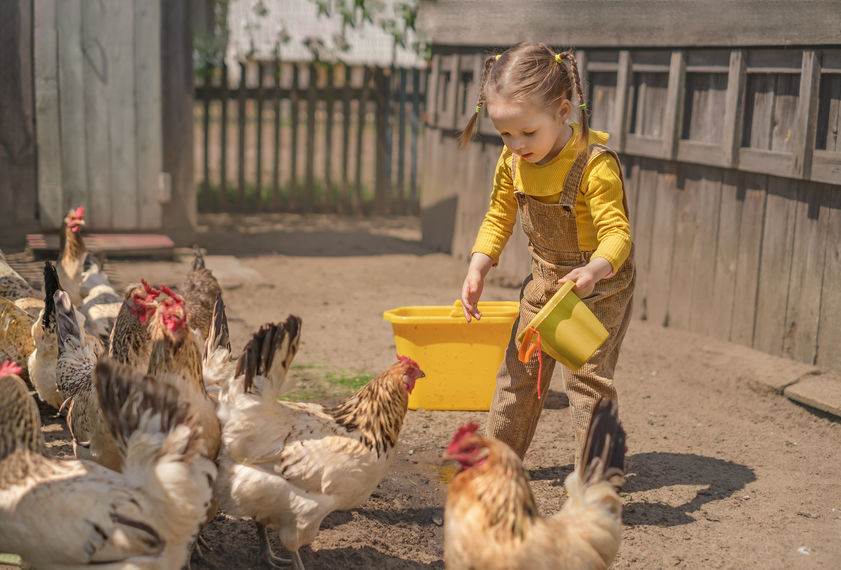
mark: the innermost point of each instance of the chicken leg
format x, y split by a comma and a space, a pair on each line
273, 559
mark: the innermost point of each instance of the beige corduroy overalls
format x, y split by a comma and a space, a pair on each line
553, 243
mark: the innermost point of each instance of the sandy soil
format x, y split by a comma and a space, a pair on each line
724, 473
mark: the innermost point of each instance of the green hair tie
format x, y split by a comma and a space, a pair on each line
478, 108
583, 105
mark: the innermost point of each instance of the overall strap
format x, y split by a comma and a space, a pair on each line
569, 195
515, 158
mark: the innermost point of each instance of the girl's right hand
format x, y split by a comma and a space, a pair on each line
471, 290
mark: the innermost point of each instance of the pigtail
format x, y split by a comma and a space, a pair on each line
470, 128
584, 135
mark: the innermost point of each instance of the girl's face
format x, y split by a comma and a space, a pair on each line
530, 130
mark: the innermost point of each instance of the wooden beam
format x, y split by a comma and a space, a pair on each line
734, 108
620, 109
806, 116
674, 104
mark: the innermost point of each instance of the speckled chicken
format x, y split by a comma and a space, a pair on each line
176, 359
491, 520
130, 343
18, 290
78, 514
77, 358
100, 305
200, 290
288, 465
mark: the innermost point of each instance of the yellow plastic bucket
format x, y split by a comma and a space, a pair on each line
460, 359
569, 332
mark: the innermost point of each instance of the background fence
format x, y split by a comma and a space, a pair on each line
309, 138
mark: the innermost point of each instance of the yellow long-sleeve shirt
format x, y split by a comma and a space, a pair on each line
599, 214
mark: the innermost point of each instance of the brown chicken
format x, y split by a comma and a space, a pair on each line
176, 359
288, 465
71, 258
15, 334
77, 514
491, 520
18, 290
130, 343
200, 290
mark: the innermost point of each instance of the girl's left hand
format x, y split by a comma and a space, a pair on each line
587, 276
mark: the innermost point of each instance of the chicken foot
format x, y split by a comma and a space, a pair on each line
273, 559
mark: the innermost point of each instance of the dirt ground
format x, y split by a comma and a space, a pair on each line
725, 474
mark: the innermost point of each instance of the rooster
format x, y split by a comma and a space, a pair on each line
42, 360
176, 359
74, 378
71, 259
129, 342
491, 519
288, 465
76, 514
200, 290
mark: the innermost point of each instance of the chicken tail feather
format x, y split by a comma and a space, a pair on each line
67, 327
198, 258
218, 336
133, 402
51, 285
604, 451
269, 353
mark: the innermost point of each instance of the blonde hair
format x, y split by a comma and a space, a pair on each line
531, 71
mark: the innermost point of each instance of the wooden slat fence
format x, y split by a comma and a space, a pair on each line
309, 138
732, 159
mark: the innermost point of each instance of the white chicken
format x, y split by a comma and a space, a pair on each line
288, 465
78, 514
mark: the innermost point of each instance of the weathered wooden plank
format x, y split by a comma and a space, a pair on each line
294, 113
71, 104
707, 206
382, 188
807, 267
149, 132
700, 153
344, 199
775, 265
705, 98
759, 111
649, 103
752, 189
683, 265
122, 114
734, 107
806, 116
258, 104
356, 197
674, 103
222, 197
662, 239
829, 333
274, 201
786, 94
327, 195
402, 98
50, 196
765, 161
643, 216
826, 167
726, 237
413, 166
602, 89
644, 146
705, 23
309, 157
829, 113
432, 93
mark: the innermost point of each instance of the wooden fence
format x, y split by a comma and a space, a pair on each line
732, 160
309, 138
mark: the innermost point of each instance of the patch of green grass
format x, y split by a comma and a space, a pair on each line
315, 383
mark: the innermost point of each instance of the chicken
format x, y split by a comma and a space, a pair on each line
78, 514
200, 290
218, 364
491, 519
42, 360
71, 259
16, 289
288, 465
176, 360
15, 334
74, 378
100, 302
129, 342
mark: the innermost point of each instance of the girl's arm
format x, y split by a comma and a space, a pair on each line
471, 290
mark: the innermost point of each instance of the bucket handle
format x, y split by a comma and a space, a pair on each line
527, 348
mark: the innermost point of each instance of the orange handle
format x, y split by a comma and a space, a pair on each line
527, 349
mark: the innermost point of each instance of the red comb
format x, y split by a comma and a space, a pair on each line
175, 297
80, 212
463, 431
407, 360
8, 368
150, 291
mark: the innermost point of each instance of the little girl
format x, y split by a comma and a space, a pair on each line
569, 191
